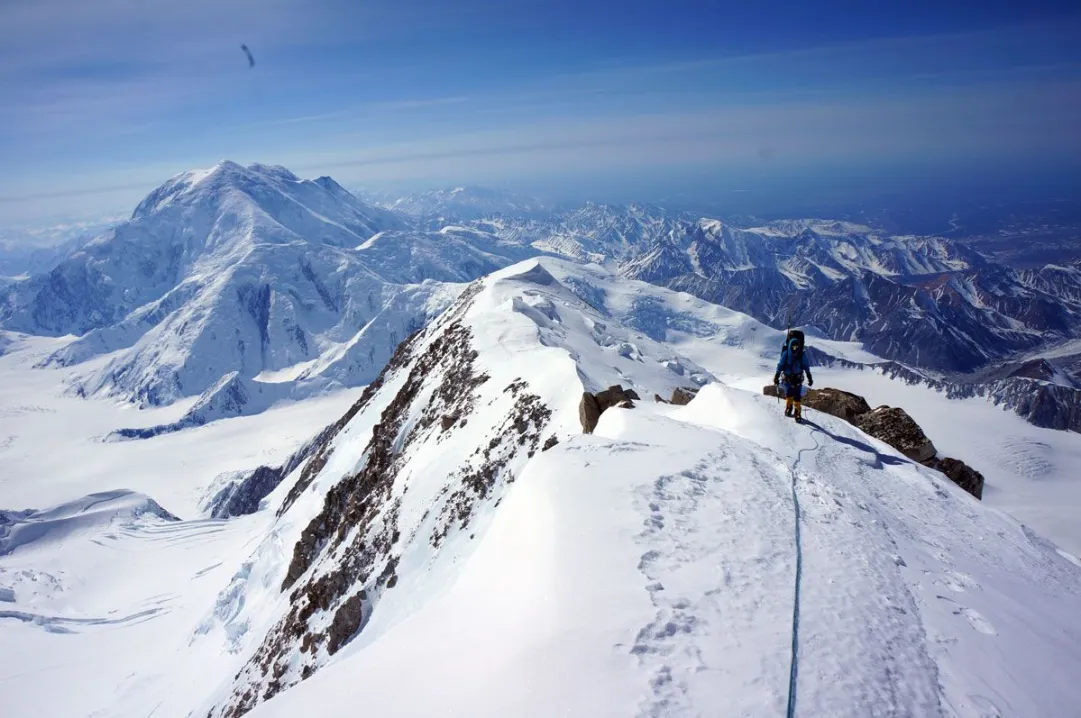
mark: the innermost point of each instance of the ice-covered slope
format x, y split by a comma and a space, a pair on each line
454, 545
247, 272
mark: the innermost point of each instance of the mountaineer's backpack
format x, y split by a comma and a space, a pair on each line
793, 351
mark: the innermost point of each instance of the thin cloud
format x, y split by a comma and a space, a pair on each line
1062, 34
357, 110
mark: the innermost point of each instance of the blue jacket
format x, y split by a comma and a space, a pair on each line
787, 364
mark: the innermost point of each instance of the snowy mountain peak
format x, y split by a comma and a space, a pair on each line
245, 270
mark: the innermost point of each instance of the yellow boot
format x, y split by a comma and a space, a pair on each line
798, 410
788, 406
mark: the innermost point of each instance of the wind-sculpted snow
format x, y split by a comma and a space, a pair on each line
650, 570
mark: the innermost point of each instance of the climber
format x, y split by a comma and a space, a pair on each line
792, 365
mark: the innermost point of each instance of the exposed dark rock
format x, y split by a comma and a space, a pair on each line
589, 412
632, 395
771, 390
550, 442
322, 452
892, 426
896, 428
959, 473
448, 421
841, 404
346, 623
242, 497
521, 429
593, 405
358, 522
611, 396
683, 395
1039, 402
660, 399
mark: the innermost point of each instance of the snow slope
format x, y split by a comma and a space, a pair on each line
456, 546
1030, 472
649, 570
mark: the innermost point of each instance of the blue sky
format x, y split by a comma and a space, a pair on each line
104, 100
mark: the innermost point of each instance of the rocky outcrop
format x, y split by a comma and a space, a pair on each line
895, 427
683, 395
350, 554
593, 405
1038, 401
842, 404
589, 412
892, 426
960, 473
243, 495
358, 521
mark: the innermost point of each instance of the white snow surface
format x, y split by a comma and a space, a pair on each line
649, 569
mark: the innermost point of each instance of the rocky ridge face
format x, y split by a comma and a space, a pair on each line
346, 558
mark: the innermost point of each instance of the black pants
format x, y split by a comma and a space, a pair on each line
793, 386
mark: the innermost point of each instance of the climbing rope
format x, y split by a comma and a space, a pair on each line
793, 670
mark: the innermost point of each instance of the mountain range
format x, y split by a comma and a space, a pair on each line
463, 528
243, 286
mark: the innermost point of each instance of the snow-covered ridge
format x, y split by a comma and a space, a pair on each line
438, 482
925, 301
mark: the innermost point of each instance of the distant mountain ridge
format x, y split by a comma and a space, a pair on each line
457, 204
926, 301
248, 285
